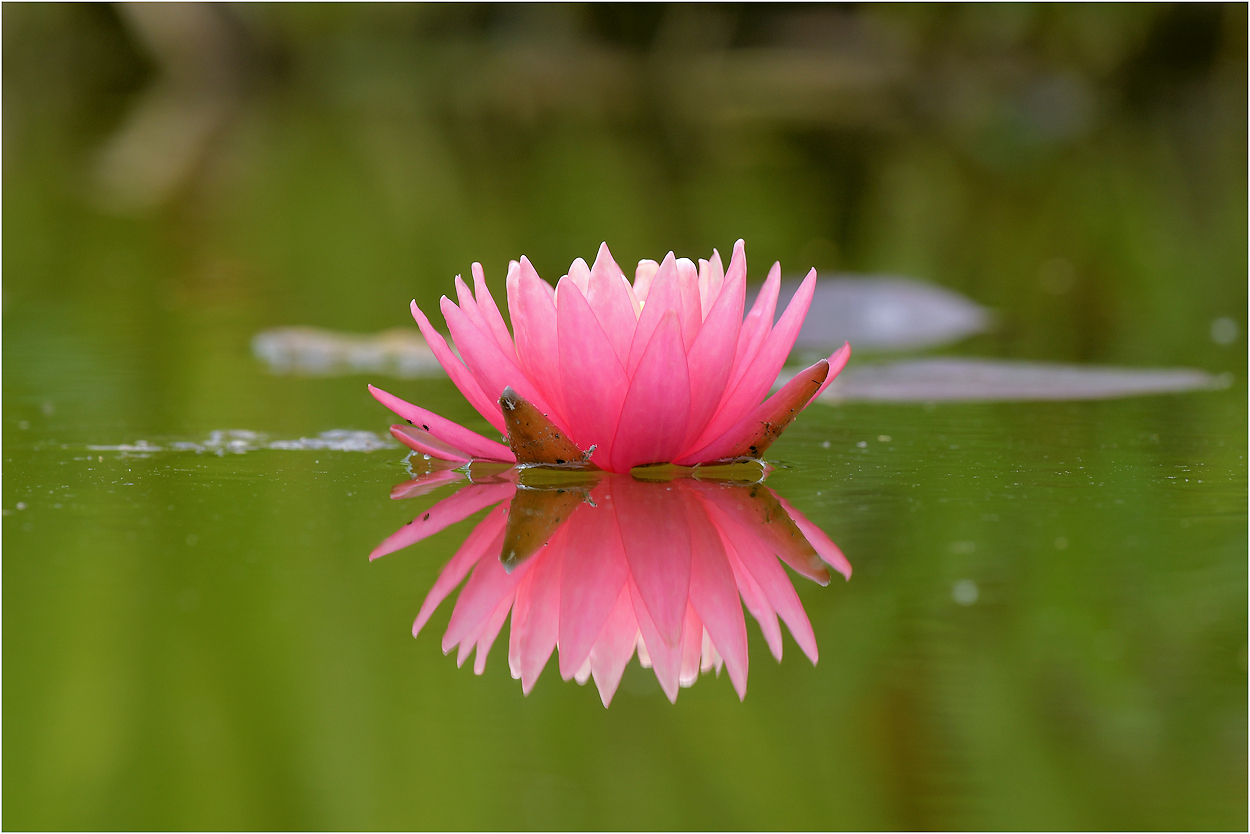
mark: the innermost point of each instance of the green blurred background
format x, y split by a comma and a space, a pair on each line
193, 641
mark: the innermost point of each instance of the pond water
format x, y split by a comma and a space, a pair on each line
1045, 624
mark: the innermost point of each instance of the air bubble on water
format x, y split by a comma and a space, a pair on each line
1224, 331
240, 441
965, 592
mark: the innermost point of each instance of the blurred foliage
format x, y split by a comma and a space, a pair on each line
369, 153
196, 642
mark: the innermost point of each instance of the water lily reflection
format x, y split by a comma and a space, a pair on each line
600, 565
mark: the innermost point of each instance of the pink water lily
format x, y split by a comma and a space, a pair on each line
663, 370
620, 566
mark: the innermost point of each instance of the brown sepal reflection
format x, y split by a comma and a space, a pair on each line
534, 515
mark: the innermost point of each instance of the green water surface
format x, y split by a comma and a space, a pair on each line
1047, 623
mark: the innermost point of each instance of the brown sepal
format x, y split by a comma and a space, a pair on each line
534, 438
781, 409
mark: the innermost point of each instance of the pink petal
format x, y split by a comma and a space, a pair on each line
759, 321
609, 296
614, 646
664, 295
830, 552
756, 431
711, 279
755, 601
634, 304
643, 276
756, 557
493, 370
489, 587
589, 367
714, 594
427, 444
693, 635
691, 305
460, 375
425, 483
485, 540
456, 507
665, 657
656, 535
490, 312
710, 658
449, 432
656, 410
579, 274
592, 574
531, 302
468, 306
535, 617
711, 355
763, 369
490, 630
837, 361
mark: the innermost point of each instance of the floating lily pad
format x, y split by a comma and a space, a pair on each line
883, 313
312, 351
989, 380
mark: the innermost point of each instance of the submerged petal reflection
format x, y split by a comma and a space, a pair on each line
598, 566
